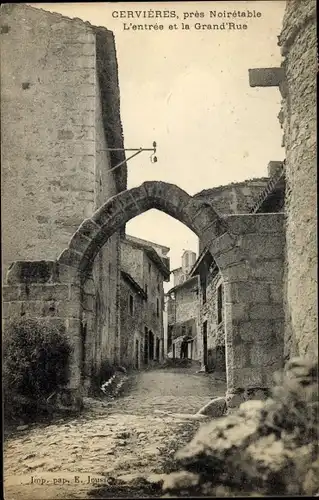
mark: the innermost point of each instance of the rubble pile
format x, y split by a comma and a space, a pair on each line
269, 447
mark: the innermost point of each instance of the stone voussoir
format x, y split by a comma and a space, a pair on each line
132, 199
107, 212
164, 191
204, 219
79, 242
70, 257
89, 228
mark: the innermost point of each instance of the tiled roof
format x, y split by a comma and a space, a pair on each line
160, 262
200, 259
246, 182
181, 285
127, 277
135, 239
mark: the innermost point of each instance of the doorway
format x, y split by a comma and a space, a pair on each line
220, 359
205, 352
151, 345
137, 347
145, 346
83, 352
157, 349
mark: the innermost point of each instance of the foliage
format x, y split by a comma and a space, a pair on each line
35, 365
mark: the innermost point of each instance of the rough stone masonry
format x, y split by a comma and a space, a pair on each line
296, 79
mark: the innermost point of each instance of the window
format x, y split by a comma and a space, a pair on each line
131, 305
149, 267
220, 304
158, 287
157, 307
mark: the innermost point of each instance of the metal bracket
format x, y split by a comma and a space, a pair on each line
153, 158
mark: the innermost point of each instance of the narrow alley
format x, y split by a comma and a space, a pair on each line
130, 436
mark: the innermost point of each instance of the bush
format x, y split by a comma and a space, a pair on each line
35, 365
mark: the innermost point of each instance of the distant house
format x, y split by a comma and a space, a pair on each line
145, 267
132, 304
182, 310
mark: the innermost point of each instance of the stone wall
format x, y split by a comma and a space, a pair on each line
252, 272
48, 142
186, 301
61, 115
298, 117
215, 330
132, 327
40, 290
234, 198
132, 262
106, 269
178, 275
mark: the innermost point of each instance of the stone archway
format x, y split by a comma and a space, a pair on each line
247, 248
92, 234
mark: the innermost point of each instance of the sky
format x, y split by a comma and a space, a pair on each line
188, 90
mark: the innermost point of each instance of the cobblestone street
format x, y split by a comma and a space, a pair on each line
134, 433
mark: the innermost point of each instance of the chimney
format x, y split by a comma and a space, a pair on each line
274, 168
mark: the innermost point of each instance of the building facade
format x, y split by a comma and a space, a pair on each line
211, 326
132, 307
182, 318
182, 310
147, 264
61, 114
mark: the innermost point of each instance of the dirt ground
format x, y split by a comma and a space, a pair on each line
137, 432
